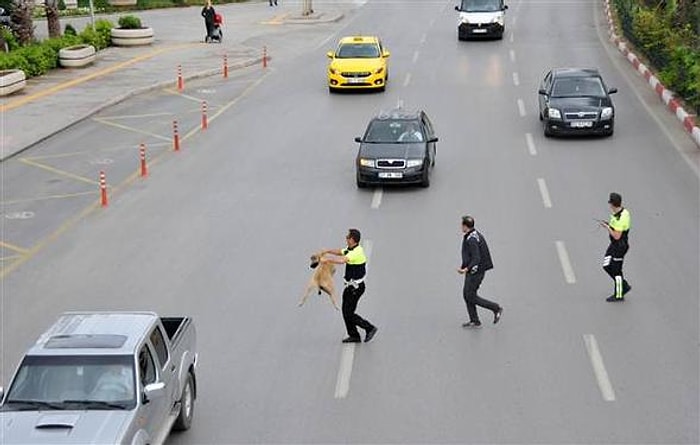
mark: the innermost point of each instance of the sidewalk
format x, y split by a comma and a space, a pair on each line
63, 97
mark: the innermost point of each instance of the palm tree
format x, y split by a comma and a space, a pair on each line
21, 21
52, 18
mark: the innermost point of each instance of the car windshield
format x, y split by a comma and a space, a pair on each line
358, 51
62, 382
394, 131
578, 87
481, 5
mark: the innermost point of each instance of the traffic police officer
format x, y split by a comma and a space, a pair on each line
353, 256
476, 260
618, 230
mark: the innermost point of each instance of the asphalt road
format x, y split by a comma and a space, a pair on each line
222, 231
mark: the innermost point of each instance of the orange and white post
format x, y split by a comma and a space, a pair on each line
205, 121
176, 137
180, 79
225, 66
142, 156
103, 190
264, 56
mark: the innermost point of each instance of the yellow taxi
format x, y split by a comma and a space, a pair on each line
360, 62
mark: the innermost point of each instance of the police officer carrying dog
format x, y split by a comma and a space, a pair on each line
476, 260
353, 256
618, 231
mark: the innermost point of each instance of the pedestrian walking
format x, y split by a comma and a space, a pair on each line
618, 228
208, 14
353, 256
273, 2
476, 260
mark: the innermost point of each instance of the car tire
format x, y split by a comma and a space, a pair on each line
184, 419
547, 132
609, 133
360, 184
541, 117
425, 183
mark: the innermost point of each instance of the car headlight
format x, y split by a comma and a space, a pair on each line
498, 19
414, 163
607, 113
379, 71
465, 20
332, 70
367, 162
554, 113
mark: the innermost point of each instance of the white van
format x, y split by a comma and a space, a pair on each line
481, 18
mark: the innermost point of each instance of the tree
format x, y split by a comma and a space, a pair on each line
21, 21
52, 18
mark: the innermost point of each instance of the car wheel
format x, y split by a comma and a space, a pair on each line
541, 117
547, 132
184, 419
360, 184
425, 183
609, 133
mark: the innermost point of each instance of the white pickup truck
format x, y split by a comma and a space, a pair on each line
103, 378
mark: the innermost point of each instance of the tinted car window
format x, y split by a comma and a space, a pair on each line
357, 51
147, 368
393, 131
578, 86
159, 344
481, 5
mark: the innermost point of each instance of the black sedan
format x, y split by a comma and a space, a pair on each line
576, 101
397, 148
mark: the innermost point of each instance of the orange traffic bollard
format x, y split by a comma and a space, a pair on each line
225, 66
142, 154
103, 189
264, 56
180, 80
205, 122
176, 137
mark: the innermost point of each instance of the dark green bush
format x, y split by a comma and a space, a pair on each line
100, 36
61, 5
682, 74
69, 30
62, 42
13, 60
130, 22
10, 38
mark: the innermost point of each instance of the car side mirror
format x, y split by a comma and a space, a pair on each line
153, 391
432, 140
612, 91
358, 139
2, 393
542, 91
505, 7
386, 54
457, 8
330, 54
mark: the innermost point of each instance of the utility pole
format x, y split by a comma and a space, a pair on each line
307, 8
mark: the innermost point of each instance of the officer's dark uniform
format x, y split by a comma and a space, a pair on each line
355, 270
477, 259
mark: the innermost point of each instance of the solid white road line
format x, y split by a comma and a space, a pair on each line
521, 107
545, 193
377, 197
516, 79
601, 374
415, 57
530, 144
512, 55
565, 263
342, 384
407, 79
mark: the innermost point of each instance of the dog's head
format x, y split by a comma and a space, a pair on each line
315, 260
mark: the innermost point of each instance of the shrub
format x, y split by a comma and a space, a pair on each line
682, 74
99, 37
69, 30
61, 5
61, 42
13, 60
9, 38
130, 22
652, 33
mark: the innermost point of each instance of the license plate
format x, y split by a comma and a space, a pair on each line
391, 175
581, 124
479, 31
356, 80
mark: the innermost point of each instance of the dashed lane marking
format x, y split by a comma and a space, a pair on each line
516, 79
565, 263
521, 108
415, 56
377, 197
601, 374
407, 79
530, 144
544, 192
512, 55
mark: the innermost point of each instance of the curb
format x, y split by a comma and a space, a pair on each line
666, 95
313, 21
121, 98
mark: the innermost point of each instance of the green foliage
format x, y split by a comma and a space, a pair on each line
9, 38
130, 22
682, 74
34, 60
13, 60
69, 30
62, 42
61, 5
100, 36
652, 33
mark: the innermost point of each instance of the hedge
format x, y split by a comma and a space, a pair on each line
673, 50
39, 58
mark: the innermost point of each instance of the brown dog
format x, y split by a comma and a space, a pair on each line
322, 280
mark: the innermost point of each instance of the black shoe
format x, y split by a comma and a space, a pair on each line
613, 299
370, 334
352, 340
626, 287
472, 324
497, 315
